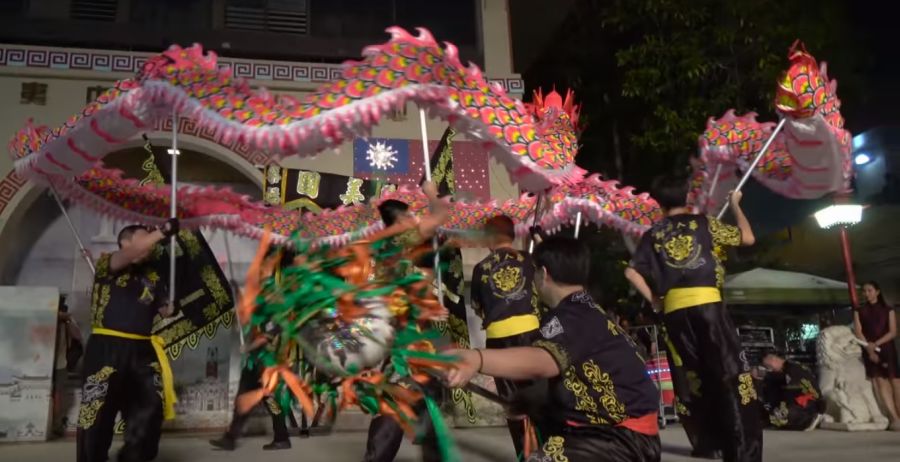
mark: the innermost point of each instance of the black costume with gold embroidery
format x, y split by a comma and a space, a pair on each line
505, 297
503, 287
122, 374
792, 398
603, 405
680, 257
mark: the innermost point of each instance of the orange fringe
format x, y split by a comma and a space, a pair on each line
270, 378
531, 442
252, 284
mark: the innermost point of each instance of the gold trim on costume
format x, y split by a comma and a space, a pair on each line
746, 389
93, 395
554, 449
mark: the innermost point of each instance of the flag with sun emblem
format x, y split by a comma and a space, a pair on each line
381, 157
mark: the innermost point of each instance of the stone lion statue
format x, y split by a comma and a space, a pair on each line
842, 379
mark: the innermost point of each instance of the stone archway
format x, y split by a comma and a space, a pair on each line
17, 195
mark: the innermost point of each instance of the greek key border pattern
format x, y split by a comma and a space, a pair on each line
130, 63
9, 187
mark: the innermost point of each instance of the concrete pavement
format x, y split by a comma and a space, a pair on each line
477, 445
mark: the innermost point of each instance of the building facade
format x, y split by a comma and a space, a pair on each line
57, 55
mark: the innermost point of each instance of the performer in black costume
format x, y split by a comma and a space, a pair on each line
791, 396
505, 298
385, 434
601, 404
251, 375
124, 368
250, 380
680, 256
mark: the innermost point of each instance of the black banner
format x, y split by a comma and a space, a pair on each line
314, 191
203, 295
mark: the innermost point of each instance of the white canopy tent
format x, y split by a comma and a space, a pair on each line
763, 286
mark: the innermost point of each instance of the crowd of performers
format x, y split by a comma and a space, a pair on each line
573, 376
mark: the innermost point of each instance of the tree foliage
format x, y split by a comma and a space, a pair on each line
651, 72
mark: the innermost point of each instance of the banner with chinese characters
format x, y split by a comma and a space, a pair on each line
314, 191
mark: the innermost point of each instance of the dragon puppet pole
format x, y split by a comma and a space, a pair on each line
537, 210
427, 162
756, 160
715, 183
173, 210
577, 224
81, 248
233, 283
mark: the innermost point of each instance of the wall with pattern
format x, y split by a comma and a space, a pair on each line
49, 84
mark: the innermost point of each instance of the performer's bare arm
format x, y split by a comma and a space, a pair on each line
747, 237
520, 363
440, 213
140, 248
640, 284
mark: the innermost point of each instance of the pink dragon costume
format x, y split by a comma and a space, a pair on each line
537, 144
808, 159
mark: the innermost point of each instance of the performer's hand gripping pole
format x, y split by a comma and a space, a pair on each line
752, 166
427, 160
81, 248
173, 209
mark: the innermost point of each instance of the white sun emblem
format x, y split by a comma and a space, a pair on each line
381, 156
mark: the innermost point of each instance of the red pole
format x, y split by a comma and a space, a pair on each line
848, 267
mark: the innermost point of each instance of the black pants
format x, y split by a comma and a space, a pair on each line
386, 435
700, 441
119, 375
613, 444
510, 389
722, 401
250, 381
788, 415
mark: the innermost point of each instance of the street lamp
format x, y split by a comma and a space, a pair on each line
843, 216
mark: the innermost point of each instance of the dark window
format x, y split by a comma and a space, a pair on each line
94, 92
94, 10
34, 93
172, 15
283, 16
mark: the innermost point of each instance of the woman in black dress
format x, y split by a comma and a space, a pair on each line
876, 324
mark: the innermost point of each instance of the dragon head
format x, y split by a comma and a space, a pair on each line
804, 89
557, 119
552, 108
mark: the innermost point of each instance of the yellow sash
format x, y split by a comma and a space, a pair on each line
686, 297
513, 325
169, 398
